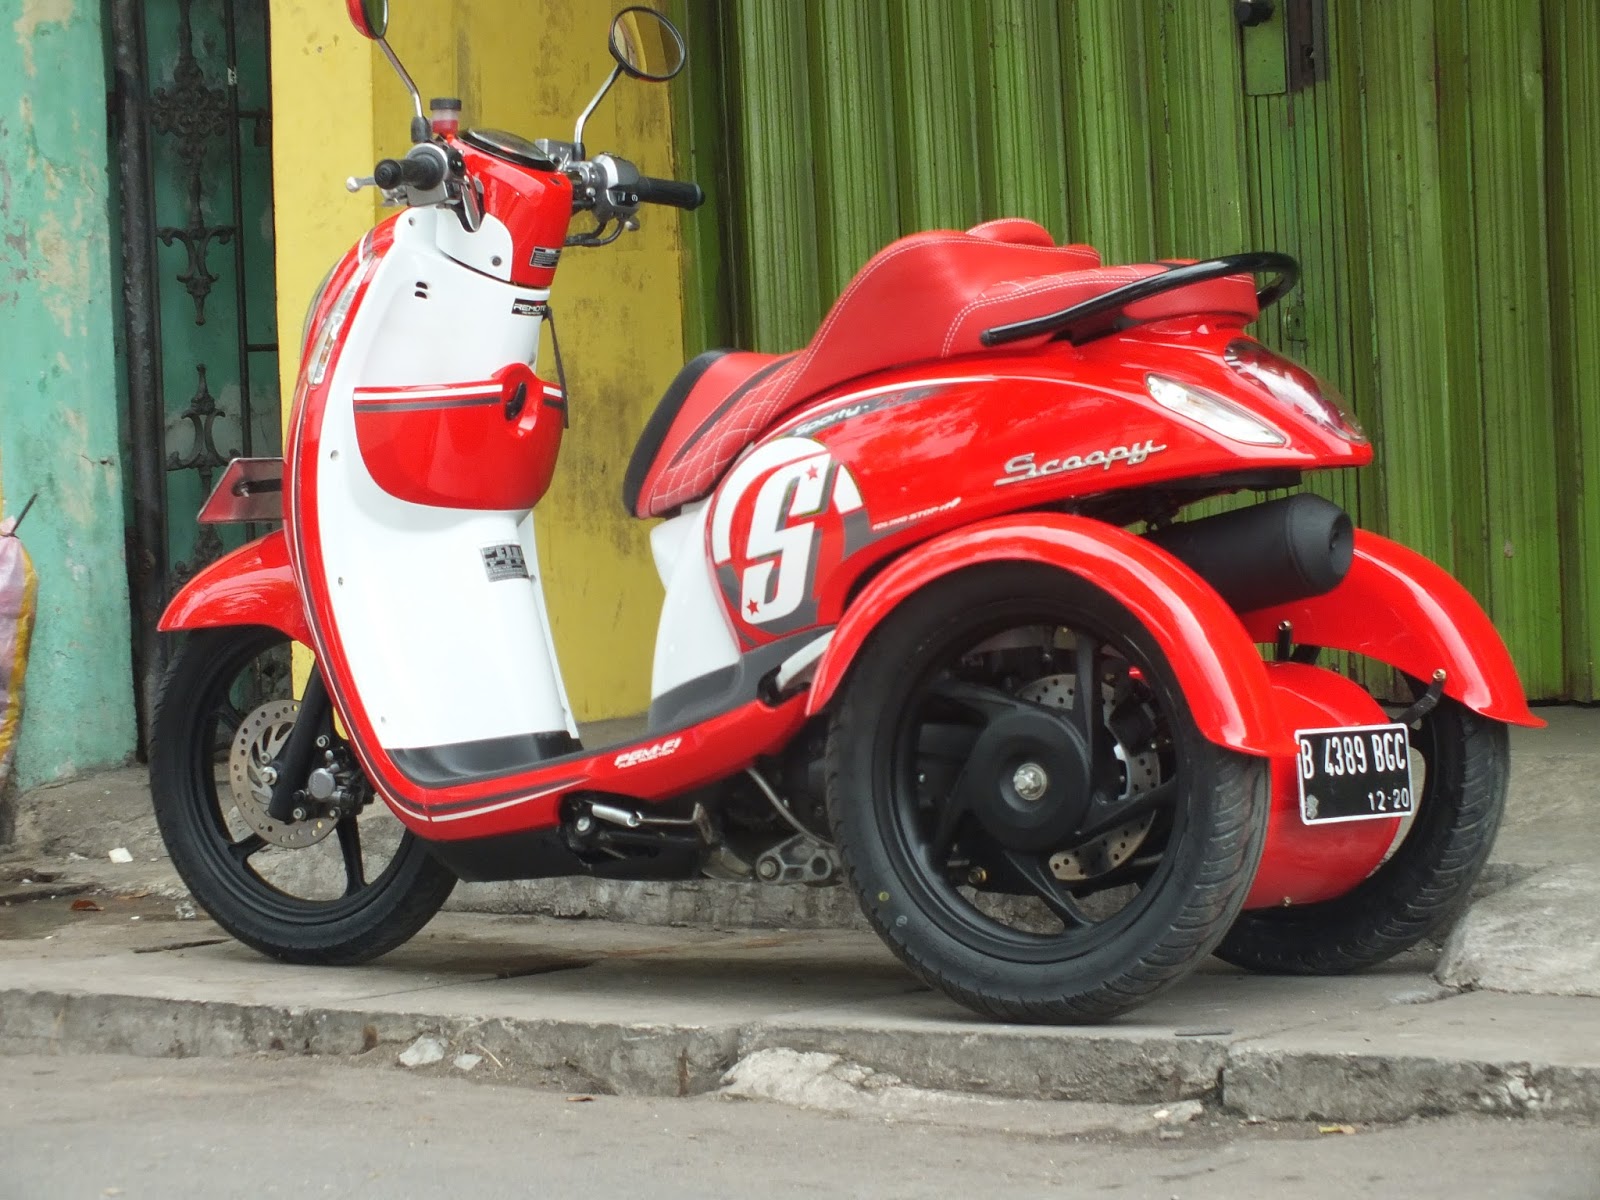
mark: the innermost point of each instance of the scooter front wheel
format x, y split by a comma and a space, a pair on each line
1034, 856
338, 885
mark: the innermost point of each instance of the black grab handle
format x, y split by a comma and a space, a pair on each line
1287, 269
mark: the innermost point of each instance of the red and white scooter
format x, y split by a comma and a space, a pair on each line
928, 617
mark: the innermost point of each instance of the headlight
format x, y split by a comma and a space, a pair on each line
1212, 411
1295, 387
328, 335
311, 310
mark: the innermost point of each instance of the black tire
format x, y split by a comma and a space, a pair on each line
1424, 884
1210, 852
372, 918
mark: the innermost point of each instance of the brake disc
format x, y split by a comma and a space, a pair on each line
261, 735
1141, 773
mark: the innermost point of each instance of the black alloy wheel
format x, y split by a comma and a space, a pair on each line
1035, 857
343, 884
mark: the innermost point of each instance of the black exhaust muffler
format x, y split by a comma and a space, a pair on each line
1270, 554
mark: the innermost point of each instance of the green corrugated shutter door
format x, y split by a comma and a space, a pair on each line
1572, 157
1435, 166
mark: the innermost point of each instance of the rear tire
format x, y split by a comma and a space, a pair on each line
1425, 883
1210, 842
199, 823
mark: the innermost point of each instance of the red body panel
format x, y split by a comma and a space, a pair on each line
536, 206
926, 298
930, 450
455, 446
1217, 665
1302, 864
1402, 609
252, 585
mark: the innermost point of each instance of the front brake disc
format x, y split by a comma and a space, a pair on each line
261, 736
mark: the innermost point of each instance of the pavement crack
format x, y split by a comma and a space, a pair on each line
191, 945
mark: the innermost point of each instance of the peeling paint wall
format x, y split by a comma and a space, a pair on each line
531, 69
58, 385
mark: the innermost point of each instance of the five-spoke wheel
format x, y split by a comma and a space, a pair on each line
337, 881
1025, 809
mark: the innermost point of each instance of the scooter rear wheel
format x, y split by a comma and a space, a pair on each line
1423, 885
959, 808
316, 891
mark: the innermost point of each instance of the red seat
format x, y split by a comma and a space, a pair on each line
927, 296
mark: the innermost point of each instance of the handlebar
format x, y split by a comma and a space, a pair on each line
673, 192
424, 173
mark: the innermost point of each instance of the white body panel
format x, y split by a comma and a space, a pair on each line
694, 637
438, 652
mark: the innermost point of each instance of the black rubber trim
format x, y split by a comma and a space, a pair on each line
469, 762
727, 687
660, 423
541, 854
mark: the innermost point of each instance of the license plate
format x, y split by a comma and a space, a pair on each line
1356, 773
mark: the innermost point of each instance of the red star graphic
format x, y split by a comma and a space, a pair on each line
811, 472
752, 606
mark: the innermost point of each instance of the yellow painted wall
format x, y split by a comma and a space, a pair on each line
337, 108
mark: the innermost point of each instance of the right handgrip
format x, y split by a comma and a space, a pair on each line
673, 192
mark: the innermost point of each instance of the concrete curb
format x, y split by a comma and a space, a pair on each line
1099, 1065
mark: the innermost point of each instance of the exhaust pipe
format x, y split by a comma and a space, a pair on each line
1270, 554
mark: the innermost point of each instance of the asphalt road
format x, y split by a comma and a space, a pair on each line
135, 1128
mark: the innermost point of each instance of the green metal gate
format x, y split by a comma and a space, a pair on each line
1434, 164
199, 339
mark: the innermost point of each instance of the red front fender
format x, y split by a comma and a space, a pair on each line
1218, 667
252, 585
1403, 609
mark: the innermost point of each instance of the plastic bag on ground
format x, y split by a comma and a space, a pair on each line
19, 589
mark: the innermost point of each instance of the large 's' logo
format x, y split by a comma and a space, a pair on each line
783, 510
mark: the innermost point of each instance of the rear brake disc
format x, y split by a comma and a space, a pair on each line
1141, 769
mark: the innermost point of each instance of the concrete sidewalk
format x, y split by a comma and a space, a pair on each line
652, 1008
608, 1007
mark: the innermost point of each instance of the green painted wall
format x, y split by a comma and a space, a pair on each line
1434, 165
58, 385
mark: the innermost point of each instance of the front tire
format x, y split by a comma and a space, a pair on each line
1091, 950
332, 902
1426, 881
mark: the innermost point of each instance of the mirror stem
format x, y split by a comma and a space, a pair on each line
420, 128
583, 117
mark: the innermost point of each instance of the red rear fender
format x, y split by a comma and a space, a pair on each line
1217, 665
252, 585
1402, 609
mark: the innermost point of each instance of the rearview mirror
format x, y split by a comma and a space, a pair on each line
370, 17
645, 44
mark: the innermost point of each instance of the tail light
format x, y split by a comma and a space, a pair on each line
1294, 387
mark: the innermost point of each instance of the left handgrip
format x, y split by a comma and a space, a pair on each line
423, 172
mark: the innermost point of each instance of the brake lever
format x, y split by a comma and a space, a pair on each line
469, 205
594, 236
